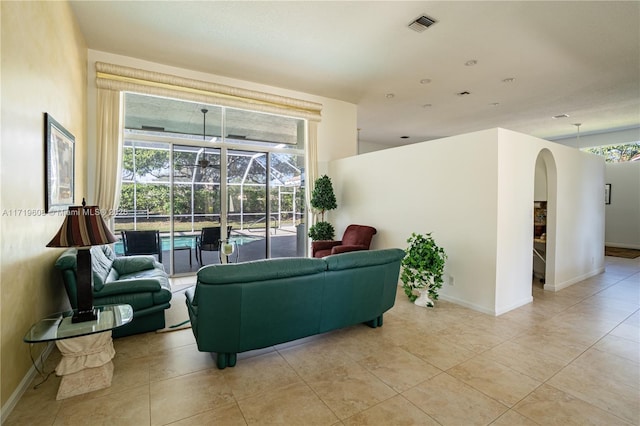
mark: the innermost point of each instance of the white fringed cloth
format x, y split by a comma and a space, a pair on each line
79, 353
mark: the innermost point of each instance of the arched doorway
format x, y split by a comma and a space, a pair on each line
545, 208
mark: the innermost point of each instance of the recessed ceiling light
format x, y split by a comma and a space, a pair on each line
555, 117
471, 62
509, 80
494, 103
389, 95
425, 81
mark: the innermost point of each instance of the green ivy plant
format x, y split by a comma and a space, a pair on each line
422, 266
323, 199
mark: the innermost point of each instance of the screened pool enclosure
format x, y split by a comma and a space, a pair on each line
188, 166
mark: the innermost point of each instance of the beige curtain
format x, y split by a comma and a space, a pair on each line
311, 172
108, 151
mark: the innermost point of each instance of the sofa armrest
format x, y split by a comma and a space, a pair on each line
324, 245
345, 249
190, 295
129, 264
138, 285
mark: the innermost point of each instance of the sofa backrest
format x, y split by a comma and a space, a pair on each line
260, 270
271, 301
102, 258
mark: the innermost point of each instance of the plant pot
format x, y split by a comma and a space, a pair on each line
423, 298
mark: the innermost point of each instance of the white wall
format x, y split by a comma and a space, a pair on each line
622, 228
337, 132
475, 193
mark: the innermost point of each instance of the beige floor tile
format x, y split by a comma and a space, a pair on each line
178, 361
188, 395
550, 406
227, 415
499, 326
619, 346
605, 381
452, 402
495, 380
314, 357
169, 340
513, 418
295, 404
398, 368
136, 346
259, 374
552, 344
123, 408
627, 331
396, 411
520, 358
349, 389
471, 338
437, 351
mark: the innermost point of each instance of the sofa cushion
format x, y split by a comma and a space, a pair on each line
131, 264
101, 266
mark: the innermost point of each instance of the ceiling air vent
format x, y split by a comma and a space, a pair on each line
422, 23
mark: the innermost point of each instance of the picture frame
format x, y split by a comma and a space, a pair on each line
607, 193
59, 166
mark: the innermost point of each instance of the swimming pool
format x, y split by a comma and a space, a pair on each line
188, 241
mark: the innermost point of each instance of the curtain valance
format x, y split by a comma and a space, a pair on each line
121, 78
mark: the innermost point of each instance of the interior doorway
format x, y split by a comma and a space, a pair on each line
544, 221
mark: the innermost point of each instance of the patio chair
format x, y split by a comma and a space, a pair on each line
209, 240
142, 242
355, 237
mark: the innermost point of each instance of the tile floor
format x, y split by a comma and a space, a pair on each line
569, 358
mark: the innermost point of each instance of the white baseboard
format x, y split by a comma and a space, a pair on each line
572, 281
466, 304
13, 400
521, 302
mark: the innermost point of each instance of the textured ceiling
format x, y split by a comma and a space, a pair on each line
576, 58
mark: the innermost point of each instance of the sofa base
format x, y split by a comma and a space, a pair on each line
227, 359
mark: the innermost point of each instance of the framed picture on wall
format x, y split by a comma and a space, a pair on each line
59, 166
607, 193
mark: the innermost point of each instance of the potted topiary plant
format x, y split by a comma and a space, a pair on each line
323, 199
422, 269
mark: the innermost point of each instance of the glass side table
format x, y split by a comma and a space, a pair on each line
86, 347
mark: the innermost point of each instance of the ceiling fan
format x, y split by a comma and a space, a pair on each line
202, 162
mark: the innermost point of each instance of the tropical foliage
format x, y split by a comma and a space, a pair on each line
422, 266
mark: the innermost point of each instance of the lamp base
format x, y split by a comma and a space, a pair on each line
82, 316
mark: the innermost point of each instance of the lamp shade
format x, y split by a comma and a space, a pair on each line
82, 227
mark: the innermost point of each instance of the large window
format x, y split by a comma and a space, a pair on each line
189, 166
617, 153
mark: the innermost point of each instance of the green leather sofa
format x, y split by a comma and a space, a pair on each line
139, 281
240, 307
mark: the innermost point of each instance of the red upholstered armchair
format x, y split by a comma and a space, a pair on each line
356, 237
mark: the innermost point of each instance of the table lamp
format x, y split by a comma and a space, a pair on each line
83, 227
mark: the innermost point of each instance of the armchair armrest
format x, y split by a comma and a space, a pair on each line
324, 244
345, 249
138, 285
